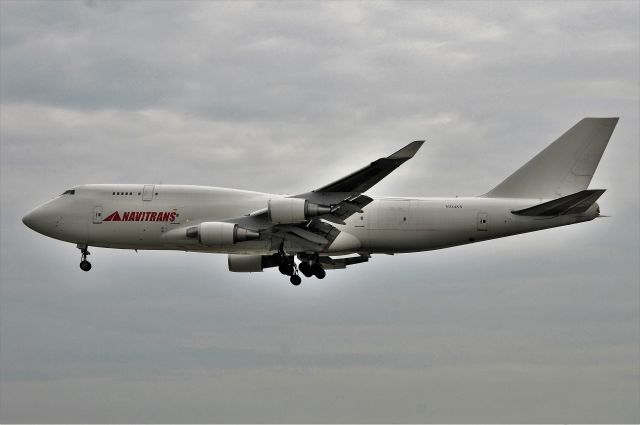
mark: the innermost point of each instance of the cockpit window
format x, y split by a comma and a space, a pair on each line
69, 192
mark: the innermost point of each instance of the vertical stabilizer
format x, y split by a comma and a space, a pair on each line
566, 166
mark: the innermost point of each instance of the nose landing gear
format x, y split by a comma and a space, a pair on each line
84, 264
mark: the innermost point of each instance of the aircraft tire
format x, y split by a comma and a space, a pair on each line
85, 265
305, 269
319, 272
286, 269
295, 280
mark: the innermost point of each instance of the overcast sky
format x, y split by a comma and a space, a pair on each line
285, 97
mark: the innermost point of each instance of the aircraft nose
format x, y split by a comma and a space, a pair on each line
29, 220
35, 220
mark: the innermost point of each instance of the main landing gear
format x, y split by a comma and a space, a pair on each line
287, 266
312, 269
295, 280
84, 264
310, 266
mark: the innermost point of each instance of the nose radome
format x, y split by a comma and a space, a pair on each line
35, 220
28, 220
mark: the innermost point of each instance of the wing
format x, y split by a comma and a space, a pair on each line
365, 178
347, 207
342, 263
344, 197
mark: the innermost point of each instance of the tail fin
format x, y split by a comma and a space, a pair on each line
566, 166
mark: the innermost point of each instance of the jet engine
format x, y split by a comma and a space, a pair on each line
219, 234
294, 210
250, 263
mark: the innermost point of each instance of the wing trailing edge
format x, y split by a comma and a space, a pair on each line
342, 263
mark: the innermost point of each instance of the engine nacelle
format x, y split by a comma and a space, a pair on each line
250, 263
219, 234
294, 210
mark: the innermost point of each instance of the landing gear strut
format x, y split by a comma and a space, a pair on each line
84, 264
287, 266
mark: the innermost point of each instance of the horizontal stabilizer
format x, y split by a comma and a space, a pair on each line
575, 203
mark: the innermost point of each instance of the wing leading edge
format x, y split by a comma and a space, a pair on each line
365, 178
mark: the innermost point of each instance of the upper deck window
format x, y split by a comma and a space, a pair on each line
69, 192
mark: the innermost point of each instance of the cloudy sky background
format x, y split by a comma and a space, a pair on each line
284, 97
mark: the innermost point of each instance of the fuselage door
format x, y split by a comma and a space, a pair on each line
97, 215
483, 222
147, 192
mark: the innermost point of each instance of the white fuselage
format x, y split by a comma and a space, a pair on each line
140, 216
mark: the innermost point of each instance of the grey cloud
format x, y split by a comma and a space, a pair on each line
540, 327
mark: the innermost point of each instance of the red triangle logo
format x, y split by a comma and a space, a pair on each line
113, 217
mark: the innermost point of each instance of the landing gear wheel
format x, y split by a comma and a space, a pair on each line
295, 280
85, 265
305, 269
286, 268
318, 271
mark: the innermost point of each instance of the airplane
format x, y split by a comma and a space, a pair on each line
334, 226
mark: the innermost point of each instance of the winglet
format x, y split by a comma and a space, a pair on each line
408, 151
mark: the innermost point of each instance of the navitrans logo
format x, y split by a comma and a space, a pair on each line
168, 216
